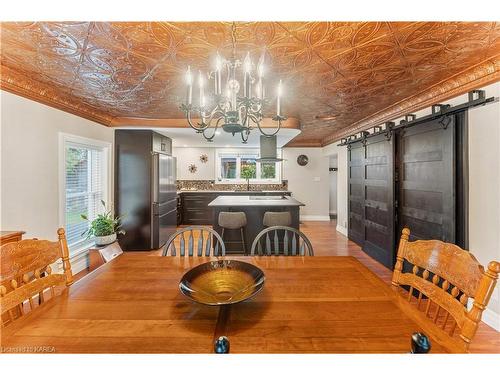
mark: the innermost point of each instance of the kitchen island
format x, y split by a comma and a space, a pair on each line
254, 207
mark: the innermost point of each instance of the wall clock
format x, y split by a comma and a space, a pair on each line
302, 160
192, 168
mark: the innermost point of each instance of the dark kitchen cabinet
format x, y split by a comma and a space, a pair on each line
194, 205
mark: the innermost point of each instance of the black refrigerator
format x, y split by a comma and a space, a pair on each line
145, 188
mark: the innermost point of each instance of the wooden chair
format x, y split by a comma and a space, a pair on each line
209, 242
442, 278
25, 273
281, 240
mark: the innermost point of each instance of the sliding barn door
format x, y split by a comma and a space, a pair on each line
379, 200
371, 197
426, 180
356, 228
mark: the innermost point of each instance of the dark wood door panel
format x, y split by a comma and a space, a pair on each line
356, 194
426, 172
379, 200
371, 197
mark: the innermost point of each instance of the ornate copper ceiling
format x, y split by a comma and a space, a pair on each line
350, 74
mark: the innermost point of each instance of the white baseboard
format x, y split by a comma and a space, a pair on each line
492, 319
342, 230
315, 217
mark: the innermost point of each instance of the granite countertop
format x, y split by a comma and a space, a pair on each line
244, 200
234, 191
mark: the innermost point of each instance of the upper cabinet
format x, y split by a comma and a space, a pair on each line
162, 143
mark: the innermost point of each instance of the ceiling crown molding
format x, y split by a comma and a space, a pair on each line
474, 78
29, 88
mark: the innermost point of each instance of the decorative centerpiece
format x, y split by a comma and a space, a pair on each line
104, 227
222, 282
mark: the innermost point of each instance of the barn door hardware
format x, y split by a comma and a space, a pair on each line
445, 121
408, 118
476, 94
440, 112
436, 108
363, 134
388, 129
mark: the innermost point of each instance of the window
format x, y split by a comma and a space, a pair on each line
85, 183
233, 165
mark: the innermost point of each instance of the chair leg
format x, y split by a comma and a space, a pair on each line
222, 234
243, 241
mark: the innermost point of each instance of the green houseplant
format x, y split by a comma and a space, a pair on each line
248, 172
104, 227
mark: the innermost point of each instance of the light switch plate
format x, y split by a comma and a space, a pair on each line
317, 179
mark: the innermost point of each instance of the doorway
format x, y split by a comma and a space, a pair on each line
333, 165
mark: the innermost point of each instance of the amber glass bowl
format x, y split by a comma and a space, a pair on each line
222, 282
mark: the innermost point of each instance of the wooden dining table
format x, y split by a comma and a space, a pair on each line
308, 305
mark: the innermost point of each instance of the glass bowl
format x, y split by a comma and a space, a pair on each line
222, 282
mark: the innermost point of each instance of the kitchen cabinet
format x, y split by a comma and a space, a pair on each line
194, 205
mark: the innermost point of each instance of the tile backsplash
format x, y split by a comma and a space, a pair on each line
211, 185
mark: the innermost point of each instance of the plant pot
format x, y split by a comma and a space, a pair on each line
105, 240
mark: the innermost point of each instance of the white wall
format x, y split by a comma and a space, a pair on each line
309, 184
191, 155
29, 163
342, 202
484, 190
333, 185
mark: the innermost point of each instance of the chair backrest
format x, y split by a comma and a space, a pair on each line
25, 273
280, 240
208, 242
442, 278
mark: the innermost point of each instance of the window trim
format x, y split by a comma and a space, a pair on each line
64, 140
220, 152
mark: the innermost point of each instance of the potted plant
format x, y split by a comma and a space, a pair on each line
248, 172
104, 227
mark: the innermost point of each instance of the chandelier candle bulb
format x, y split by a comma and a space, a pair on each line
189, 80
247, 66
278, 102
200, 81
260, 73
218, 67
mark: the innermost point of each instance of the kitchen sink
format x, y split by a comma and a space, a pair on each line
267, 197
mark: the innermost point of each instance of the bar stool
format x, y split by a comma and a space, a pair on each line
273, 219
233, 220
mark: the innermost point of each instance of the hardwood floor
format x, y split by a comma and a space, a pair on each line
327, 241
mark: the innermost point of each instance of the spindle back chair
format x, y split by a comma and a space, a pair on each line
281, 240
26, 274
208, 242
443, 281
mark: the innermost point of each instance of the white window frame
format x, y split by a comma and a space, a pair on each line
70, 139
238, 152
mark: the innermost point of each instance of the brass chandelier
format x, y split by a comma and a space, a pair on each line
227, 108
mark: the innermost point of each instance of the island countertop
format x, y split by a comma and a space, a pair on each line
254, 201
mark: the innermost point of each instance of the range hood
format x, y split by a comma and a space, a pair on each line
268, 150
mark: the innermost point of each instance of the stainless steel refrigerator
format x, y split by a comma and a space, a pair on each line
145, 188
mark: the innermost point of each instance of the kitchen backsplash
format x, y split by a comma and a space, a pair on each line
211, 185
